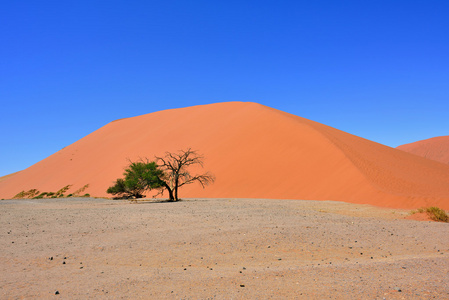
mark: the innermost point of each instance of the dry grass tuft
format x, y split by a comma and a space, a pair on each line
434, 213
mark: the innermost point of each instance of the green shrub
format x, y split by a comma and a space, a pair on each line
86, 195
139, 176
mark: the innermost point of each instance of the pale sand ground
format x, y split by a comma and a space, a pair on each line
209, 248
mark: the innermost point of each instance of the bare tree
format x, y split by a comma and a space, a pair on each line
175, 167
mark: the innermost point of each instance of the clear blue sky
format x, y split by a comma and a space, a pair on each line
376, 69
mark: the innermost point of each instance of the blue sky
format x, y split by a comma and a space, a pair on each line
376, 69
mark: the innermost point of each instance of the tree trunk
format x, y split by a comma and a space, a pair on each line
175, 188
170, 192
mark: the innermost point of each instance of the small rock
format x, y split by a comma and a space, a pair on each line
242, 285
57, 293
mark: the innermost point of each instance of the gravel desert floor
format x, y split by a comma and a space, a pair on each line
218, 249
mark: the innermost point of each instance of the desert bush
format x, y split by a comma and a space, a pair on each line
86, 195
28, 194
437, 214
434, 213
41, 195
80, 190
19, 195
60, 193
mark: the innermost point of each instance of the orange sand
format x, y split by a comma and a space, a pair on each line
436, 148
254, 151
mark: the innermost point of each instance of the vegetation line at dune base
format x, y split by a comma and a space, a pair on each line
36, 194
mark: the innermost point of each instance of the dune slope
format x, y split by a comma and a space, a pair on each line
254, 151
436, 148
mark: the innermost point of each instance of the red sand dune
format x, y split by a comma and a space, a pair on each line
254, 151
436, 148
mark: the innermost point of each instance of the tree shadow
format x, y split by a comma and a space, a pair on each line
152, 201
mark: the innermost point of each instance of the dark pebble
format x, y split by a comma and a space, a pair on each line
57, 293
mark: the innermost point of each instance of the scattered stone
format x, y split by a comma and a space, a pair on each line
242, 285
57, 293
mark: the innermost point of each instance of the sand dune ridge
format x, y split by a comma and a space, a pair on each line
254, 151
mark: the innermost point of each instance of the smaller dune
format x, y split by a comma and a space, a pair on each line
436, 148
